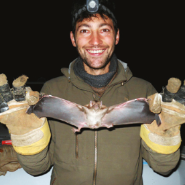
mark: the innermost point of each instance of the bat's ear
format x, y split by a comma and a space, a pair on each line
101, 104
91, 103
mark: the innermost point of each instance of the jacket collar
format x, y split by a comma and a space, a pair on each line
124, 74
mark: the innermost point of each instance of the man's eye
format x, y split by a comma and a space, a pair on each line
105, 30
83, 31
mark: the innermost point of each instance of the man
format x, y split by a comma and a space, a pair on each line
96, 74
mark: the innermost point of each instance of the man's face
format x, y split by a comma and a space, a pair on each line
95, 39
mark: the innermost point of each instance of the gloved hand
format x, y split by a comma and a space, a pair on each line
25, 129
170, 105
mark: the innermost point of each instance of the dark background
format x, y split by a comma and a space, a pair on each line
35, 41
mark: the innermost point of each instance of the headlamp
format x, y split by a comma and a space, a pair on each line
92, 6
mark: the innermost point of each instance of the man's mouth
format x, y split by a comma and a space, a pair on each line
97, 51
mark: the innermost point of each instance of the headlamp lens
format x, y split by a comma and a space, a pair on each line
92, 6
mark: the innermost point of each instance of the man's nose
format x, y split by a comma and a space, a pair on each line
95, 39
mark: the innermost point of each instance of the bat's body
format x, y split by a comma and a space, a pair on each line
93, 115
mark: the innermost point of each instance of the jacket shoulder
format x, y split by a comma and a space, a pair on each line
140, 81
55, 85
141, 87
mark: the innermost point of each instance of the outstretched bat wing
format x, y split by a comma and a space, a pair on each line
61, 109
130, 112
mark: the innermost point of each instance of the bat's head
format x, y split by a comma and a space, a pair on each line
96, 105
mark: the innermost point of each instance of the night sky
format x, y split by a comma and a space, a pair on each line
36, 42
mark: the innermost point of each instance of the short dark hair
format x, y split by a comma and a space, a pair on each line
79, 12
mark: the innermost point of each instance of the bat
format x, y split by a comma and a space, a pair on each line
94, 115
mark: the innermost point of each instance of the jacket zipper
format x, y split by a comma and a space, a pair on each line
96, 139
95, 156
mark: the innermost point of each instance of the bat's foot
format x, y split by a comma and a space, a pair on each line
75, 130
108, 125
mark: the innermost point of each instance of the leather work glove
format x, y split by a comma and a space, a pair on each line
8, 160
29, 134
170, 105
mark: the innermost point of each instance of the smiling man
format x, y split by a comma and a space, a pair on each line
99, 156
95, 39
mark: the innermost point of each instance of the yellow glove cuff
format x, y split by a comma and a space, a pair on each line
161, 144
38, 146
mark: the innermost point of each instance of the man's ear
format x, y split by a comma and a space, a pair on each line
117, 37
72, 39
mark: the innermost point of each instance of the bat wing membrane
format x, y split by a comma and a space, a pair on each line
130, 112
58, 108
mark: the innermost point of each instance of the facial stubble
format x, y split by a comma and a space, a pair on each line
87, 62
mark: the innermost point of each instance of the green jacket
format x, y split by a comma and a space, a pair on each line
120, 150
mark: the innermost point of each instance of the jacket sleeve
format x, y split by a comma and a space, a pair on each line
161, 163
41, 161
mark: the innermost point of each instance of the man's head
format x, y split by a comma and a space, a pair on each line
94, 35
79, 11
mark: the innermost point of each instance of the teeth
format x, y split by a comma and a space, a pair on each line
96, 51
